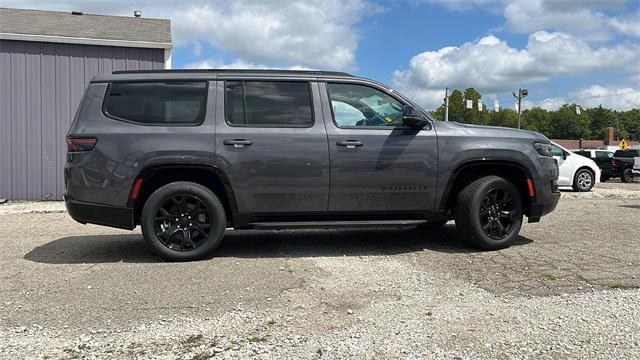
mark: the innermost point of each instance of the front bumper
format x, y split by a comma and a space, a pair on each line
545, 200
113, 216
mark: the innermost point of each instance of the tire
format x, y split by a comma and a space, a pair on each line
627, 175
430, 225
477, 210
200, 224
583, 180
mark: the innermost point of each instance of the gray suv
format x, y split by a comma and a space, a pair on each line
187, 154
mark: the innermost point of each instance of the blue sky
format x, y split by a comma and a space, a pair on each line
586, 51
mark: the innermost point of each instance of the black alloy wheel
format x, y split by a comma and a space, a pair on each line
498, 213
182, 222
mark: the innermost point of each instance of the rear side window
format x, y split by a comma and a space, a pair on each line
268, 104
626, 153
584, 153
157, 103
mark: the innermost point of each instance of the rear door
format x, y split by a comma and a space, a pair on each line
272, 144
377, 165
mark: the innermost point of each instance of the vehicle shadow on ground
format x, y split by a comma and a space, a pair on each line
263, 244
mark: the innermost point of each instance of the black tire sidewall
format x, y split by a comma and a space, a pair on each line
474, 232
216, 214
627, 175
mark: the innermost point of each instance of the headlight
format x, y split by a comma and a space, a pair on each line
543, 149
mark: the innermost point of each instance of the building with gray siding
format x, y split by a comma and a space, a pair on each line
46, 60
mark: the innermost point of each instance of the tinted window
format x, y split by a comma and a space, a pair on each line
268, 103
604, 154
556, 151
358, 105
157, 102
584, 153
626, 153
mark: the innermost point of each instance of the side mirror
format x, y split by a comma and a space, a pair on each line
564, 155
413, 119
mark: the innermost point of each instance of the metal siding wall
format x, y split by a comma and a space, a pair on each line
41, 85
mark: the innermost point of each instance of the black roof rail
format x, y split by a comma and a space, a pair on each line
252, 71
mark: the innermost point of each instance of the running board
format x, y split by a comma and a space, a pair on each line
335, 224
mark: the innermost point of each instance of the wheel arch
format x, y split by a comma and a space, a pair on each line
154, 176
472, 170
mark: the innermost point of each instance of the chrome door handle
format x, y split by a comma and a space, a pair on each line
238, 143
350, 144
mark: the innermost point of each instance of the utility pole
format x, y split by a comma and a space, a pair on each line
521, 93
446, 104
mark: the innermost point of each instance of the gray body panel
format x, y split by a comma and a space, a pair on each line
298, 173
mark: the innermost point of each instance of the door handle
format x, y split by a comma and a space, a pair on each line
350, 144
238, 143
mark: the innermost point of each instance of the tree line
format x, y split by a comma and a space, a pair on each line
563, 123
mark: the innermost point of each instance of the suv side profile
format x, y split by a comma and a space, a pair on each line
187, 154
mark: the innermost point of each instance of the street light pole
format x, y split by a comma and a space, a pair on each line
446, 104
521, 93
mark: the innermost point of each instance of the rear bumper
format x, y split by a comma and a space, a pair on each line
113, 216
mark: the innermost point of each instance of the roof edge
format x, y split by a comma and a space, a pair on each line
85, 41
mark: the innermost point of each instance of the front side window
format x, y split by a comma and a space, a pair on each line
359, 105
556, 151
268, 104
157, 103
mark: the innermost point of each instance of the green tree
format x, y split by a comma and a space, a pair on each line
630, 122
600, 119
567, 124
537, 119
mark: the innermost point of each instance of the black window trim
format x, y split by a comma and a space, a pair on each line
244, 103
391, 94
204, 103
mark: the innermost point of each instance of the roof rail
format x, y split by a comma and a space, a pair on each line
253, 71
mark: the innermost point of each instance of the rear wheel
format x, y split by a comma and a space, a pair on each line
627, 175
488, 213
583, 180
183, 221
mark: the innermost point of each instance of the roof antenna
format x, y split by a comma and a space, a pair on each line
137, 13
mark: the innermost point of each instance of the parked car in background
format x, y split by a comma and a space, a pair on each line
576, 171
603, 158
623, 161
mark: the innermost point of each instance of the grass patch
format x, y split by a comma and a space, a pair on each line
255, 338
271, 322
548, 277
615, 285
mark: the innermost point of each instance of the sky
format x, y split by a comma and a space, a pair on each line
563, 51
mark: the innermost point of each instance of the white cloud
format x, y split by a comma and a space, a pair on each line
318, 34
491, 65
235, 64
612, 97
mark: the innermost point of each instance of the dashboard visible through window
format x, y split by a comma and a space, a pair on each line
358, 105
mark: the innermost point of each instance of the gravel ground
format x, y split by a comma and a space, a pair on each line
567, 289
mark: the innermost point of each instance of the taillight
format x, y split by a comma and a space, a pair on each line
80, 144
613, 163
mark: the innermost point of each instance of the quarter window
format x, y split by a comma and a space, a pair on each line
268, 104
358, 105
158, 103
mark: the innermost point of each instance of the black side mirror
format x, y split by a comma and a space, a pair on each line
564, 155
412, 118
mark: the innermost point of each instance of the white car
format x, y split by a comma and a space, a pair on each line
576, 171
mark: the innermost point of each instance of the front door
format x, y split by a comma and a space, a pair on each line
272, 144
565, 165
377, 165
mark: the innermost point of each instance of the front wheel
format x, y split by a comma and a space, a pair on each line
183, 221
627, 175
488, 213
583, 180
